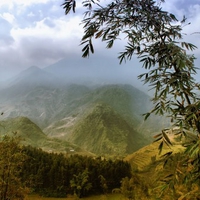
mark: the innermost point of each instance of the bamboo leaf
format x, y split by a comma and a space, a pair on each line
168, 142
160, 147
91, 46
158, 135
147, 115
74, 5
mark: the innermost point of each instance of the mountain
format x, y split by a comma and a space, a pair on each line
88, 72
104, 132
62, 108
31, 134
43, 105
27, 80
24, 128
127, 101
33, 76
35, 94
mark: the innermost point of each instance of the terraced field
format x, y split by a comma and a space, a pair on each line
146, 155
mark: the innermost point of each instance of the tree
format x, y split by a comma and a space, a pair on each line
127, 188
133, 188
103, 184
152, 35
11, 159
155, 37
80, 183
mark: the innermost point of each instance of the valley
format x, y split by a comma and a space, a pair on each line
108, 115
58, 120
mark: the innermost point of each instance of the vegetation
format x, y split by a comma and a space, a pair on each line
155, 36
32, 135
11, 164
110, 133
94, 197
51, 174
148, 155
28, 169
61, 175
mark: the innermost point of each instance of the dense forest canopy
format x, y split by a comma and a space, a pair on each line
56, 175
28, 169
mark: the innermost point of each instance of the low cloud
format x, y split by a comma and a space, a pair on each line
40, 35
37, 32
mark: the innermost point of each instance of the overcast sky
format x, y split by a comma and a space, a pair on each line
37, 32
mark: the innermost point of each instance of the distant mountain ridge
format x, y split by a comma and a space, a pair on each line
62, 110
26, 81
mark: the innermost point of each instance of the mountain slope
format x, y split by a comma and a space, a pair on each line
149, 154
43, 105
26, 81
32, 135
62, 110
24, 128
127, 101
103, 131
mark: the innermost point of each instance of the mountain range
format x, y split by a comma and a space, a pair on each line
30, 134
81, 109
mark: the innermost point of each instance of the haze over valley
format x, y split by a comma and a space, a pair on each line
95, 112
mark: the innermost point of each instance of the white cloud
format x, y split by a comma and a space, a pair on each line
36, 32
8, 17
31, 14
59, 29
10, 3
41, 45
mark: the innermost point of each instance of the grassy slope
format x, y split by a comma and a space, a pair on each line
32, 135
104, 131
142, 158
126, 100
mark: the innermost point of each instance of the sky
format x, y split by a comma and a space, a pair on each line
38, 33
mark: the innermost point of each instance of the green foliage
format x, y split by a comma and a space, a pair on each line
103, 183
110, 133
11, 162
133, 188
154, 37
56, 175
80, 183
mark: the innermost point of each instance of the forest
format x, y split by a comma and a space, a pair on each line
52, 174
26, 170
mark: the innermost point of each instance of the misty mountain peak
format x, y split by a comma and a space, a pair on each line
35, 74
31, 70
29, 79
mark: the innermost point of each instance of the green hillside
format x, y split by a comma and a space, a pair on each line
127, 101
72, 110
32, 135
104, 132
24, 128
